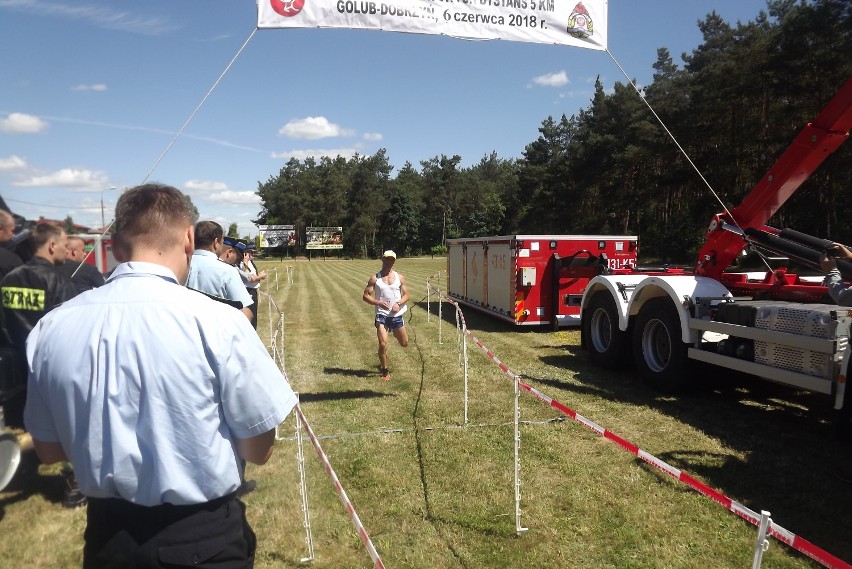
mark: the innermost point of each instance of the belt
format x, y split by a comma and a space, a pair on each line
115, 507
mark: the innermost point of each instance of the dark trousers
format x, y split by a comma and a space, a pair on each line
123, 535
253, 294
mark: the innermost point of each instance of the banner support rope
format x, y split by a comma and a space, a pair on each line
671, 135
198, 108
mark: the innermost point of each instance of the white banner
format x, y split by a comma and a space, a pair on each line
563, 22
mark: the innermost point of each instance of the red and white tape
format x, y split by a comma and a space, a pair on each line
362, 532
800, 544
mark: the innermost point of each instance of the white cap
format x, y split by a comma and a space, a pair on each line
389, 253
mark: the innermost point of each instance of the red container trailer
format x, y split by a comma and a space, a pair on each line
99, 251
527, 279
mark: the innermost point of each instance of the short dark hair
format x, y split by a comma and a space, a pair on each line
44, 232
146, 213
6, 218
206, 232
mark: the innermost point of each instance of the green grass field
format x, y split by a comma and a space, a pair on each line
434, 493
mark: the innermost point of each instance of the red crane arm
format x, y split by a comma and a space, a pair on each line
808, 150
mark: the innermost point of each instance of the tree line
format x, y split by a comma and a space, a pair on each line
734, 104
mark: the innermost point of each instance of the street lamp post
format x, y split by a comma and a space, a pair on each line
103, 221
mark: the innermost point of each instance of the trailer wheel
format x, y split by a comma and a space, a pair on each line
607, 345
659, 353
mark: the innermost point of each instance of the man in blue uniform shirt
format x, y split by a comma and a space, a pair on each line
168, 391
211, 276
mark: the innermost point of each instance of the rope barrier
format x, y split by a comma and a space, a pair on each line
276, 332
303, 492
302, 422
461, 328
798, 543
338, 487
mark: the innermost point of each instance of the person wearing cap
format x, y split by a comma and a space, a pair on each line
208, 275
232, 252
387, 291
167, 391
252, 278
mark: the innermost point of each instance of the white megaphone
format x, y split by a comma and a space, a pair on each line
10, 457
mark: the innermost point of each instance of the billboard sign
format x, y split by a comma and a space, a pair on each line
324, 237
277, 236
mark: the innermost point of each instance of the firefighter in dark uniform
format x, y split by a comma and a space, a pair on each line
28, 293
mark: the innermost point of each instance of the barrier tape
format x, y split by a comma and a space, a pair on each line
800, 544
278, 357
338, 487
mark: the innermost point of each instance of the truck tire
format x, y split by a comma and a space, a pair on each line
607, 345
658, 351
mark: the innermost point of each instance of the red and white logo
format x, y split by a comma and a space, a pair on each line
287, 8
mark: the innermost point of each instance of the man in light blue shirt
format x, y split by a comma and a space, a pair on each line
210, 275
166, 392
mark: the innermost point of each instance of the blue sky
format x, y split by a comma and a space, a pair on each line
94, 91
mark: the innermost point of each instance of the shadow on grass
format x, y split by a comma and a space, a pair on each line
348, 372
341, 395
785, 454
28, 482
474, 318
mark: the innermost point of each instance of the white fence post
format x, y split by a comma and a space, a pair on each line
761, 544
518, 527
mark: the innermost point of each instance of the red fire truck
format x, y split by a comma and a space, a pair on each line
775, 324
532, 279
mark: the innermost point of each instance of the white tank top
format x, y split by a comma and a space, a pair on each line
390, 292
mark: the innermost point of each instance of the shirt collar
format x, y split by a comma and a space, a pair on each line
142, 269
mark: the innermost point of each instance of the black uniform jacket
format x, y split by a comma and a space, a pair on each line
28, 293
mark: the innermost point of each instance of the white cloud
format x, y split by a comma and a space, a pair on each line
117, 126
224, 143
552, 79
577, 94
236, 198
12, 163
218, 192
312, 128
92, 87
104, 17
74, 178
205, 185
316, 154
243, 227
20, 123
373, 136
